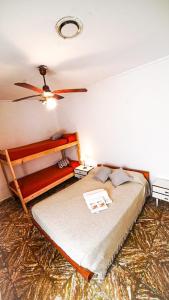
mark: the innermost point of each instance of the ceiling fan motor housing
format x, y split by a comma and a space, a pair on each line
46, 88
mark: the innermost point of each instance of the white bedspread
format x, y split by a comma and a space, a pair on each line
91, 240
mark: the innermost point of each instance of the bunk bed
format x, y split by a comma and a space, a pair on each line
35, 184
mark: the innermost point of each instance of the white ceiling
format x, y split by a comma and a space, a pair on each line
117, 36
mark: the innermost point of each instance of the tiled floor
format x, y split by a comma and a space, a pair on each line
30, 268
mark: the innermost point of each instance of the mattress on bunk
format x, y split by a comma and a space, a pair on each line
19, 152
91, 240
36, 181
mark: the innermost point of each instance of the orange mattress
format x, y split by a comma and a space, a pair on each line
19, 152
38, 180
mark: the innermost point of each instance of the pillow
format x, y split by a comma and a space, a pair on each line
102, 174
71, 137
57, 135
119, 177
74, 163
63, 163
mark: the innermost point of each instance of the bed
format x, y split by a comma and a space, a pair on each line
38, 147
37, 181
91, 241
31, 186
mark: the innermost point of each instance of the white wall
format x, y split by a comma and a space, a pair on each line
24, 123
124, 120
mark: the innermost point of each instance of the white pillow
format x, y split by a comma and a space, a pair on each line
57, 135
63, 163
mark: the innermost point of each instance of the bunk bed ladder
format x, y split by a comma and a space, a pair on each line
15, 181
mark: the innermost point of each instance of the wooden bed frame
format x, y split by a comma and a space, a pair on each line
87, 274
84, 272
146, 174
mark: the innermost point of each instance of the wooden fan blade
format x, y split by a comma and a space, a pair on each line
58, 97
69, 91
29, 87
24, 98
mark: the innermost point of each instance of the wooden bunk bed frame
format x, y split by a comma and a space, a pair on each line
87, 274
12, 163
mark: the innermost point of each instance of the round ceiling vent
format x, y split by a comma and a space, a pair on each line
69, 27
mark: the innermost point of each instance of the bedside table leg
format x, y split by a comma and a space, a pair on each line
156, 202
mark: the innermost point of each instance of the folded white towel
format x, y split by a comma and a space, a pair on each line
97, 200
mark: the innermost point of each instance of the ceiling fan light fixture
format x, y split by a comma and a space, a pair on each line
47, 94
69, 27
51, 103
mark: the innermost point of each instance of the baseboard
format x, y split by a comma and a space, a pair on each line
5, 199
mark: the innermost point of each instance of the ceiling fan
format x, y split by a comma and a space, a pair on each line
45, 93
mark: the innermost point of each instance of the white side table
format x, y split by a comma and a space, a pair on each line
160, 190
81, 171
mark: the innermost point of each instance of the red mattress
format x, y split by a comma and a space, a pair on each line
19, 152
36, 181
